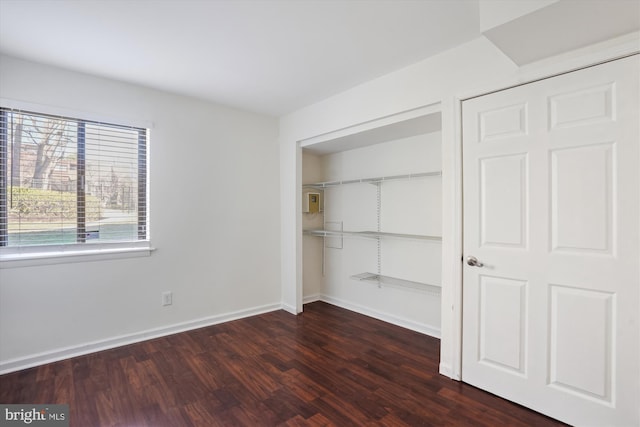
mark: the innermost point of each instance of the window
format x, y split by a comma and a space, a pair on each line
67, 181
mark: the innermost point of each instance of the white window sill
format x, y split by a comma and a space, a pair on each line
47, 255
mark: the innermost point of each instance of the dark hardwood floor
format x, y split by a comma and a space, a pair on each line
328, 366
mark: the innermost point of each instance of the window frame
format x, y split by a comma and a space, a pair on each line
80, 251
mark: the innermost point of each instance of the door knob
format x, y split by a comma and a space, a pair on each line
473, 262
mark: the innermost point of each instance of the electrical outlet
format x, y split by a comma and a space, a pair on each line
167, 298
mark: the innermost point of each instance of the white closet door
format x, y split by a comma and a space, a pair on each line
551, 212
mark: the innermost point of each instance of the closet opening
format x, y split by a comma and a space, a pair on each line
372, 219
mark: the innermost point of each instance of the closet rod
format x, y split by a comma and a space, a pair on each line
371, 180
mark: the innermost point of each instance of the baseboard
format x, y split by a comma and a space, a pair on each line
311, 298
408, 324
56, 355
445, 369
106, 344
289, 308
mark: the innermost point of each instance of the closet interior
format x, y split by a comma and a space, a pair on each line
371, 219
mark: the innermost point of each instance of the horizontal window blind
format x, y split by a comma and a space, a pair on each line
67, 180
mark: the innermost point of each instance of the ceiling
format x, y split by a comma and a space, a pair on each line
564, 26
266, 56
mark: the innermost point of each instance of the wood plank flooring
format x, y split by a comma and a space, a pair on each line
326, 367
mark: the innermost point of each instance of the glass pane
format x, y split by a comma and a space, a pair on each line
42, 180
111, 183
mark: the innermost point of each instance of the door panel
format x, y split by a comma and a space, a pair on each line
502, 316
503, 201
585, 106
582, 189
552, 213
501, 123
590, 376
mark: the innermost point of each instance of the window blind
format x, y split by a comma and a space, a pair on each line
68, 181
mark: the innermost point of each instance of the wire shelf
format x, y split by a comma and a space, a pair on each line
382, 280
370, 234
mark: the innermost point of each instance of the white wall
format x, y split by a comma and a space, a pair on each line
312, 280
407, 207
214, 217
